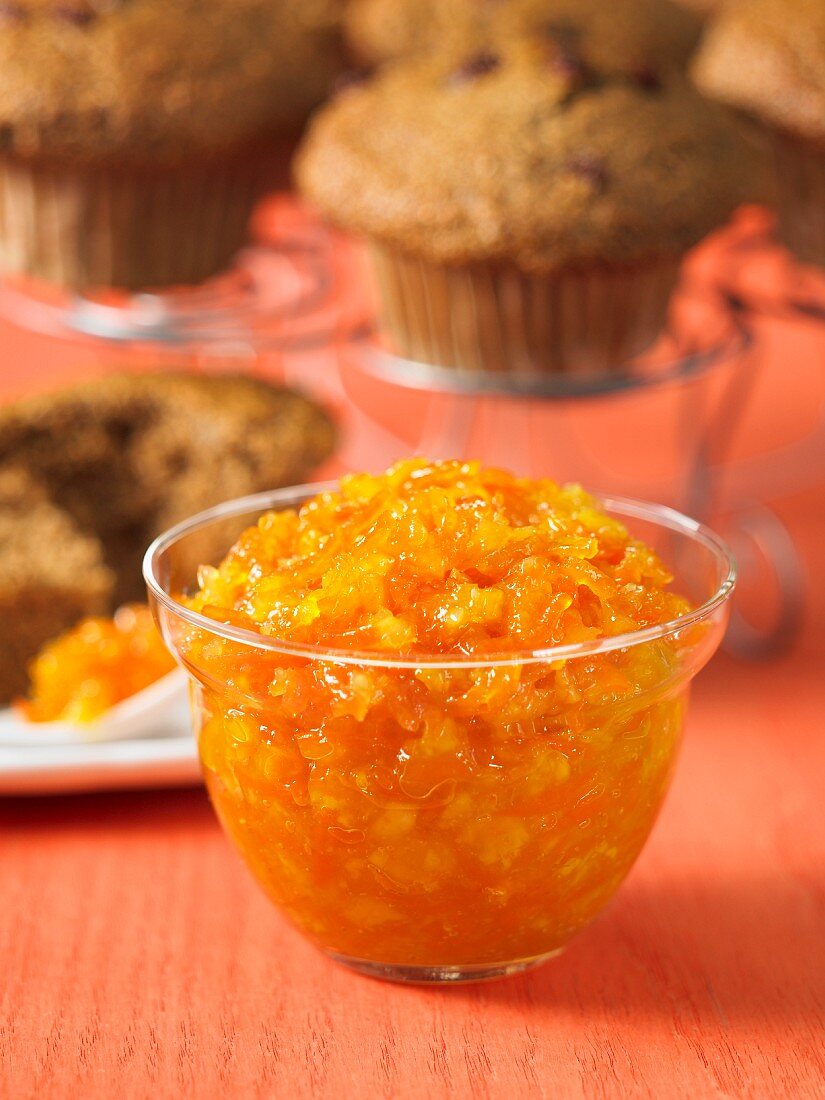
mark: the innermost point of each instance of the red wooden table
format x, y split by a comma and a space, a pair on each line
138, 959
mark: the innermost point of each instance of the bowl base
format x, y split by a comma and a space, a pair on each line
443, 975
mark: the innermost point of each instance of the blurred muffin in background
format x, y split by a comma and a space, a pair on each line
524, 212
619, 35
51, 575
136, 135
767, 58
702, 6
90, 474
128, 455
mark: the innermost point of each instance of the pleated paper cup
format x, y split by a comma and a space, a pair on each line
100, 225
496, 318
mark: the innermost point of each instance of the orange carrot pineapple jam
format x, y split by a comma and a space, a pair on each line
420, 814
84, 673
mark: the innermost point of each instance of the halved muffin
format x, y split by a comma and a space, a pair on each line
89, 475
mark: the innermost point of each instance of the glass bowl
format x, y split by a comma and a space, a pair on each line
439, 820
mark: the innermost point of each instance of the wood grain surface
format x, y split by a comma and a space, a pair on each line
138, 959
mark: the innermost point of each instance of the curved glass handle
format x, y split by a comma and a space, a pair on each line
759, 537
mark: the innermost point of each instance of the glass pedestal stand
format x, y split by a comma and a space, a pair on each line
661, 430
762, 282
289, 292
762, 278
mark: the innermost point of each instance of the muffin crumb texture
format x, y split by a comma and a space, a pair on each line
525, 162
99, 469
767, 57
148, 80
616, 36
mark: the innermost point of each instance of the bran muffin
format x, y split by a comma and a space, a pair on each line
767, 59
89, 475
703, 7
51, 575
136, 135
623, 35
524, 212
129, 455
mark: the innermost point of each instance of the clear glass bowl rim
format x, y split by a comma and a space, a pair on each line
623, 507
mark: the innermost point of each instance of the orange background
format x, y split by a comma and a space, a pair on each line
137, 957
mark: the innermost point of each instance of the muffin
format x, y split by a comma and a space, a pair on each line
51, 575
702, 6
524, 212
129, 455
136, 135
767, 58
622, 35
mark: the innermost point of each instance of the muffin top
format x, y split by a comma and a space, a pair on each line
621, 35
527, 156
768, 57
702, 6
148, 78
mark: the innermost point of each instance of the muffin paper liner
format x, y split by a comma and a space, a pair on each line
84, 226
801, 196
486, 318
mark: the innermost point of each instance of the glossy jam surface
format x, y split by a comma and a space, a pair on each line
426, 815
101, 662
441, 559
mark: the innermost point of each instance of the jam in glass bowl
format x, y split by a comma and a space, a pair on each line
427, 794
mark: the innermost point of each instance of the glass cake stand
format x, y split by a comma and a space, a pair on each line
286, 292
283, 311
762, 277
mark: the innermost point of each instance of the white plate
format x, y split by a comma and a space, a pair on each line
145, 741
